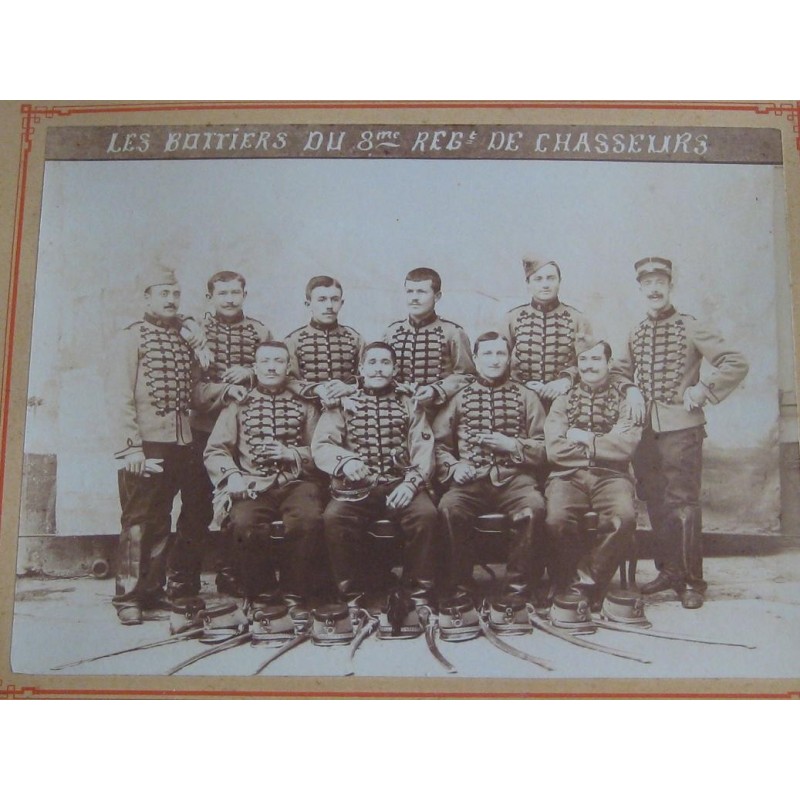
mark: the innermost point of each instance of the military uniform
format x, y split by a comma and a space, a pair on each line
276, 489
543, 336
664, 354
153, 375
319, 353
506, 483
381, 428
595, 478
432, 352
231, 342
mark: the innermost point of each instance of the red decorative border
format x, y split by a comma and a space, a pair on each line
33, 115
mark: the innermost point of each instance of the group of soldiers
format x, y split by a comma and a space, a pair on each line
327, 434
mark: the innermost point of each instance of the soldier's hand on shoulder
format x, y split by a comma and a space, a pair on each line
556, 388
636, 404
400, 497
193, 334
535, 386
334, 390
238, 373
134, 463
425, 395
463, 472
236, 393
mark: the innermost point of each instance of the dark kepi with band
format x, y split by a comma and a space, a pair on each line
652, 265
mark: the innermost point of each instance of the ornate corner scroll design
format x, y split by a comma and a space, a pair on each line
792, 112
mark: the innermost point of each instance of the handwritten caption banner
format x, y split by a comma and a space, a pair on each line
545, 142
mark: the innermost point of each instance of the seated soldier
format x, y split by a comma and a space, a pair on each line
590, 439
258, 457
489, 447
378, 448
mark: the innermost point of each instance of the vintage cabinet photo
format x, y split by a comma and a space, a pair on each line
469, 399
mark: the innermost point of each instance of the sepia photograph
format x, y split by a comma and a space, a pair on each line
463, 400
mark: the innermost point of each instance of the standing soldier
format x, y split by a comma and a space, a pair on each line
433, 355
258, 457
543, 334
232, 339
153, 376
590, 440
664, 354
378, 449
489, 448
324, 354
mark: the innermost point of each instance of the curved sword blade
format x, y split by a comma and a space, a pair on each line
178, 637
494, 639
539, 623
228, 644
611, 626
292, 643
430, 640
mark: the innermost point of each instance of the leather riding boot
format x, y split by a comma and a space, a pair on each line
349, 594
521, 554
254, 561
668, 545
597, 567
421, 593
691, 523
460, 558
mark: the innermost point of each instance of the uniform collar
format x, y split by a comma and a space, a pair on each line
429, 320
493, 383
388, 389
663, 314
160, 322
230, 320
322, 326
266, 390
550, 305
596, 389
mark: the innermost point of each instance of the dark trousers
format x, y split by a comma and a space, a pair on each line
346, 525
668, 468
581, 563
147, 551
299, 504
521, 500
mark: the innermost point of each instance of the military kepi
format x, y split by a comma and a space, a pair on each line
532, 265
157, 275
651, 265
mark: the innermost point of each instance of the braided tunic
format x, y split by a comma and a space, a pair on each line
481, 408
543, 337
320, 353
434, 352
596, 411
664, 356
232, 343
602, 411
243, 430
151, 381
380, 428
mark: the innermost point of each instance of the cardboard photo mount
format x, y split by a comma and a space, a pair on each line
365, 191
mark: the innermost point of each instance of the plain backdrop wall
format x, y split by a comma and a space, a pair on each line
367, 222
